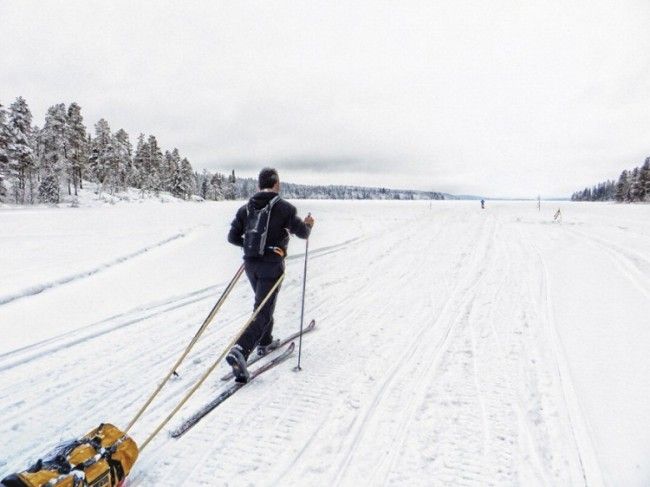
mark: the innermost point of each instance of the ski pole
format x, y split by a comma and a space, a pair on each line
302, 306
198, 334
214, 364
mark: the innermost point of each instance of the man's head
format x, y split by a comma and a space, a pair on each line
269, 179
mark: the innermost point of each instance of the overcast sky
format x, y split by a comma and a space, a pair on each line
501, 98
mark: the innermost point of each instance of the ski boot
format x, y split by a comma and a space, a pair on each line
265, 349
237, 361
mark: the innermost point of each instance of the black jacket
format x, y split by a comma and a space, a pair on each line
284, 222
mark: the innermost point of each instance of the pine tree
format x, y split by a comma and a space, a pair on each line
217, 183
4, 152
644, 178
187, 176
637, 189
177, 186
623, 187
153, 165
76, 145
171, 165
167, 171
21, 160
122, 163
48, 190
53, 159
140, 163
102, 157
229, 190
204, 184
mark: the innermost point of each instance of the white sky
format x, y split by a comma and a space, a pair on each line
500, 98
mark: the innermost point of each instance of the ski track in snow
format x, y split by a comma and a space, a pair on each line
435, 361
39, 288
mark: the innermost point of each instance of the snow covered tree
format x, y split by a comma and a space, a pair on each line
153, 165
167, 170
187, 176
122, 163
21, 157
217, 183
177, 185
183, 179
4, 152
103, 153
229, 190
48, 189
204, 184
140, 163
637, 187
76, 145
169, 179
644, 180
53, 159
623, 187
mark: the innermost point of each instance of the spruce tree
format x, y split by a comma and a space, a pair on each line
140, 163
52, 153
76, 145
622, 187
217, 183
187, 176
644, 178
122, 163
153, 165
204, 184
4, 152
637, 190
229, 187
103, 154
21, 157
177, 186
167, 171
48, 189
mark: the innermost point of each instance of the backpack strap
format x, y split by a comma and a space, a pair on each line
268, 220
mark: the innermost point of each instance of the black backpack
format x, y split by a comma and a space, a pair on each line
257, 227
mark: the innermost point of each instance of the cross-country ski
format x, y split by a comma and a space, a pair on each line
254, 358
229, 391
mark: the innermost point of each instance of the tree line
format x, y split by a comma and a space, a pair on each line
632, 187
216, 186
40, 165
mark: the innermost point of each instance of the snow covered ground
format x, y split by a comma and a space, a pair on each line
454, 346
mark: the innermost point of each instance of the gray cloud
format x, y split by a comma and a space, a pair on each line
309, 163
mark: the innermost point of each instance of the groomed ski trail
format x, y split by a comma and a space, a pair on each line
436, 360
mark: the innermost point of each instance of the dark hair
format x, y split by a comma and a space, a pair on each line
267, 178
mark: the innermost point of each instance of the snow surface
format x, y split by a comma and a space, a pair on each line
454, 346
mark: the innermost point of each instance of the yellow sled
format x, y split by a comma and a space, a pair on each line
102, 458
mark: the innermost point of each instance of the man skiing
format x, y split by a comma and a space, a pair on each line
262, 227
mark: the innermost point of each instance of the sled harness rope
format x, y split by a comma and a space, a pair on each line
212, 367
189, 347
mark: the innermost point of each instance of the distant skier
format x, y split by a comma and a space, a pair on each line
262, 227
483, 204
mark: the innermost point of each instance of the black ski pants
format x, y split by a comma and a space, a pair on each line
262, 276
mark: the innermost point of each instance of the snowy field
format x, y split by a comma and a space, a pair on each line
454, 346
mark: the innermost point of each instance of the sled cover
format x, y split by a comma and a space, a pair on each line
102, 458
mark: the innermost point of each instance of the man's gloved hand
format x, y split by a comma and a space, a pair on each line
309, 221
